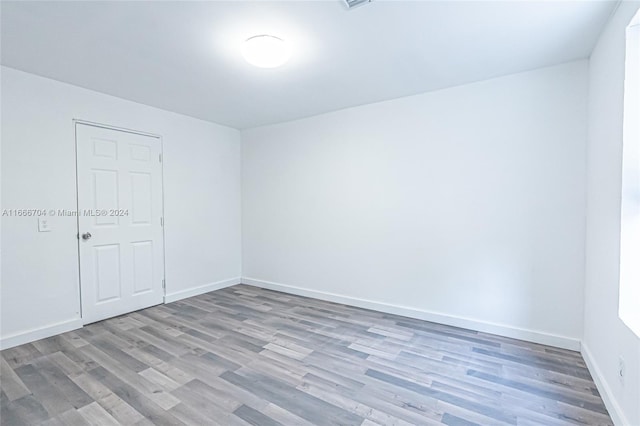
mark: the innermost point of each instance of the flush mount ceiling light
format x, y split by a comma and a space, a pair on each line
266, 51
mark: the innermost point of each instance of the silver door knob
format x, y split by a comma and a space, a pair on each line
86, 236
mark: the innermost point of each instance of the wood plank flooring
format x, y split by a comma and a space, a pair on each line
248, 356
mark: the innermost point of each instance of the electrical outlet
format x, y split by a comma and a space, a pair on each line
621, 369
44, 224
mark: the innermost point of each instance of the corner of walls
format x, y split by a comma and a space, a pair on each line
218, 285
197, 154
318, 191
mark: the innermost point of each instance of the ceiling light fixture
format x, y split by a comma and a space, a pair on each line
266, 51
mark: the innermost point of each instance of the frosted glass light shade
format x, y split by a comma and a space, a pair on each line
266, 51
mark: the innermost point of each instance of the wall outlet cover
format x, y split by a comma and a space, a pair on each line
44, 224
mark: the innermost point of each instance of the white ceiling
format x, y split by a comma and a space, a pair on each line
184, 56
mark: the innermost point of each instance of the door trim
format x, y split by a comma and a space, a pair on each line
120, 129
77, 121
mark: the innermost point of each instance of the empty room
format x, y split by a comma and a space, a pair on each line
336, 212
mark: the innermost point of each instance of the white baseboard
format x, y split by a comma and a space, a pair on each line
34, 334
610, 402
456, 321
183, 294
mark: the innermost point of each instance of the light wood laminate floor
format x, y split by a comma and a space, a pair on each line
248, 356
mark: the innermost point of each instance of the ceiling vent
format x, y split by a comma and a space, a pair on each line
355, 3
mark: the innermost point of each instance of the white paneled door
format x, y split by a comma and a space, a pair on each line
119, 221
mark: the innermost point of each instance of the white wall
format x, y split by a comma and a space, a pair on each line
465, 205
40, 270
605, 336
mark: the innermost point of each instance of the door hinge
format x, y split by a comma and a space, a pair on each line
160, 157
162, 221
164, 284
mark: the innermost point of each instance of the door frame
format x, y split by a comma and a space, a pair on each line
75, 123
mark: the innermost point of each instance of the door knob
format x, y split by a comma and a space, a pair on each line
86, 236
